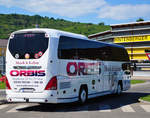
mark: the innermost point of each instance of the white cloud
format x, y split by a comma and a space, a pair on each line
127, 11
75, 8
69, 8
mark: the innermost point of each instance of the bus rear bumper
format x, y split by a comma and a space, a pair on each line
45, 97
40, 100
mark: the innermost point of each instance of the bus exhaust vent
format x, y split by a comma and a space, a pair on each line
64, 85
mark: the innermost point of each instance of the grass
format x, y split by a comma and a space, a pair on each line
146, 98
137, 81
2, 85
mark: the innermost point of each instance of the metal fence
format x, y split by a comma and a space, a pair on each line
2, 64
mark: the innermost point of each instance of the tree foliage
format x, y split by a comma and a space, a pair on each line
101, 23
139, 20
12, 22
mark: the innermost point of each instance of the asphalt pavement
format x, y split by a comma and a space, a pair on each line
2, 96
3, 93
124, 106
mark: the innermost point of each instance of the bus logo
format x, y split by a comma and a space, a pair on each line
82, 68
27, 73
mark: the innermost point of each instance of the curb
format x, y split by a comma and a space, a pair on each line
140, 84
140, 78
143, 101
3, 101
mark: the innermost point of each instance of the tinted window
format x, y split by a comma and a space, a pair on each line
92, 50
119, 54
73, 48
67, 48
32, 44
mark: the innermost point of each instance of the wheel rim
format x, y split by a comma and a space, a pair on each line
83, 96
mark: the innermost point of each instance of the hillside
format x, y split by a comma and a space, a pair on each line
13, 22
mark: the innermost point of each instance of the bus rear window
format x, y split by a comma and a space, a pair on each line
28, 45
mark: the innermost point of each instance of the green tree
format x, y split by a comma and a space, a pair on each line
101, 23
12, 22
139, 20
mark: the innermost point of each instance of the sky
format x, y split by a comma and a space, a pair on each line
85, 11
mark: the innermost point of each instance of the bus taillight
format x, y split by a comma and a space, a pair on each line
52, 84
7, 84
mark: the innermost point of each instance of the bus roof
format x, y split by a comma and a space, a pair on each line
53, 32
57, 33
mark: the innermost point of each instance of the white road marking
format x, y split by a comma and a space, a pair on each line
3, 106
15, 109
104, 108
146, 107
127, 108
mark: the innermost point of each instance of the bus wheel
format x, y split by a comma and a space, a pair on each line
83, 95
119, 91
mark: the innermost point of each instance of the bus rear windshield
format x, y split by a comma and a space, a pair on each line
28, 45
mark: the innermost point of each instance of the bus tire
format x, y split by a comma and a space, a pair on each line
83, 95
119, 89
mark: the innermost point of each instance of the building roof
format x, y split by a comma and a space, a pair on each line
120, 25
131, 24
3, 42
99, 34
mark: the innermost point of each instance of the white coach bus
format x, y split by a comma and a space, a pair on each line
52, 66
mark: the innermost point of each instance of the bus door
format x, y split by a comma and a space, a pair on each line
126, 75
100, 84
94, 70
113, 81
106, 76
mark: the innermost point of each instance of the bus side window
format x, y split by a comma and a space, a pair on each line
119, 54
74, 48
67, 48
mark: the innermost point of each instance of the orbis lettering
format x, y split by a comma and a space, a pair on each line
82, 68
27, 73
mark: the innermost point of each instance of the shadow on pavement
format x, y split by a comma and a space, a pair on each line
127, 98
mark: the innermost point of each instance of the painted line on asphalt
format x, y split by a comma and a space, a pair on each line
3, 106
127, 108
15, 109
146, 107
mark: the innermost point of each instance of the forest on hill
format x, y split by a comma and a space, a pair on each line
12, 22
